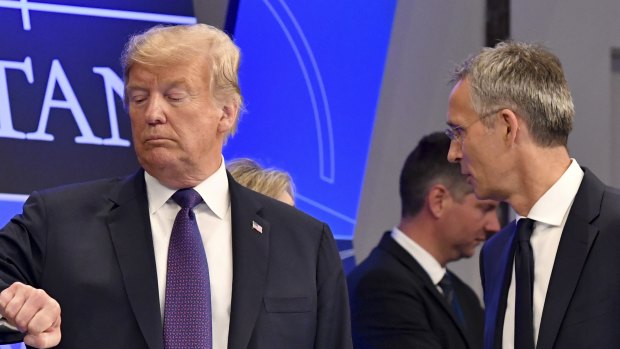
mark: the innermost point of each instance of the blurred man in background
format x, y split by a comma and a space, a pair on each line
402, 295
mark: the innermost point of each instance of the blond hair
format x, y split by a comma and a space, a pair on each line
268, 181
168, 46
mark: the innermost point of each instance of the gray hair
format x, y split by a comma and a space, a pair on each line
526, 78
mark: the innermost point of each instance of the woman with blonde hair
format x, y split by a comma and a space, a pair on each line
268, 181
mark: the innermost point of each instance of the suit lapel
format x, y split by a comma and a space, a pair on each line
130, 231
577, 239
498, 256
250, 239
393, 248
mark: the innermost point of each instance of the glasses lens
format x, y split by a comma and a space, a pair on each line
449, 133
452, 133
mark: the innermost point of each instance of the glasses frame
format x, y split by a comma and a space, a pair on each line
455, 133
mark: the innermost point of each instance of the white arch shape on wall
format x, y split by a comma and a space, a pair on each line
25, 6
322, 116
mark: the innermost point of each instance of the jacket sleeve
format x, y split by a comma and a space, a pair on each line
333, 317
22, 250
22, 245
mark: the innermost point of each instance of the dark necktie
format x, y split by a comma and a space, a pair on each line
448, 293
187, 310
524, 276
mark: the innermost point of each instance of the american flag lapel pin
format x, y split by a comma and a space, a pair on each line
257, 227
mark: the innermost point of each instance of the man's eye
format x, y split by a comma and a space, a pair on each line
176, 97
490, 208
138, 99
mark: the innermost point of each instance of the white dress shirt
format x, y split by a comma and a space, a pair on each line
550, 213
425, 259
214, 223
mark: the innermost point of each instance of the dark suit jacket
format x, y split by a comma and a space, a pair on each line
582, 306
394, 304
89, 246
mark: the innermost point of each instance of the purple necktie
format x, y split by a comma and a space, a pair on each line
187, 310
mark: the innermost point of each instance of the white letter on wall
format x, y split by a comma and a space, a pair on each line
6, 119
113, 84
57, 75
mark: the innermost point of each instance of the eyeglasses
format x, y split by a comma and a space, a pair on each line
455, 133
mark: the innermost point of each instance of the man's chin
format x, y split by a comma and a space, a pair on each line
481, 193
468, 254
474, 184
157, 160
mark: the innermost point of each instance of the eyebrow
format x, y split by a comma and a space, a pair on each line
135, 87
488, 205
177, 83
182, 83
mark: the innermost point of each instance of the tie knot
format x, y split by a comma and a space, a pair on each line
446, 287
525, 227
445, 283
187, 198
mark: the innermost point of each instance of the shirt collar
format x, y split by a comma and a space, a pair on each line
214, 192
425, 259
553, 206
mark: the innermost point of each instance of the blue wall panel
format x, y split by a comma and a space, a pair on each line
311, 75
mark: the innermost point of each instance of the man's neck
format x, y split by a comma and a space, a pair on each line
419, 229
538, 171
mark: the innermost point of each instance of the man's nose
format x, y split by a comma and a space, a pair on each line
492, 225
154, 112
454, 153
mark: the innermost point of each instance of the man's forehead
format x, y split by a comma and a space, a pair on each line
141, 74
459, 103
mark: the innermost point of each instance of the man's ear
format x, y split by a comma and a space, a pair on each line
228, 117
510, 124
438, 200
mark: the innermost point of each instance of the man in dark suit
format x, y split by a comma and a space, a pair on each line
101, 252
400, 295
551, 280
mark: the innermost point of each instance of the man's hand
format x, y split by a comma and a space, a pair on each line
33, 312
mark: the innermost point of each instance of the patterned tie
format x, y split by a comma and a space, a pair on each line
187, 310
524, 277
448, 293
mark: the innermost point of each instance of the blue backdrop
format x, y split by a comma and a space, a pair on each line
311, 75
